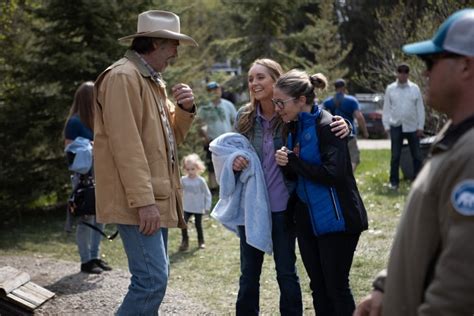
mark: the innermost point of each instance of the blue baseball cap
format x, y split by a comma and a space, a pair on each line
339, 83
455, 35
212, 85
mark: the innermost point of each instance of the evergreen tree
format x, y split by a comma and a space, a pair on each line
73, 42
319, 45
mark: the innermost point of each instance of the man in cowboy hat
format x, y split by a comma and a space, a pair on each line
136, 130
430, 270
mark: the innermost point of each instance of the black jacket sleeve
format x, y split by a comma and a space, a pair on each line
334, 155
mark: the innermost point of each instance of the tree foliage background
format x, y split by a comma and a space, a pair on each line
48, 47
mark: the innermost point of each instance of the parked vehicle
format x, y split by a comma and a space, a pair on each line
371, 106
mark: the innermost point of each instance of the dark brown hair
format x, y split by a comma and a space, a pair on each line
144, 45
83, 104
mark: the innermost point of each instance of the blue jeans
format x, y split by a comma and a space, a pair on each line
328, 260
148, 264
396, 137
251, 260
87, 239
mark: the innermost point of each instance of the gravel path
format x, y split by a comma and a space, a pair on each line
87, 294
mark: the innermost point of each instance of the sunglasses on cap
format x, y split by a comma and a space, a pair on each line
431, 60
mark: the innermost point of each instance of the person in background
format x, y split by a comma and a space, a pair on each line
329, 211
229, 96
136, 132
403, 117
196, 198
259, 122
216, 118
430, 264
347, 106
80, 123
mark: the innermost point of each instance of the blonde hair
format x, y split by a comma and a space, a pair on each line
248, 113
296, 83
195, 160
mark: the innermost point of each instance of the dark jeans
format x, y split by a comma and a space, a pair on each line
397, 136
209, 165
327, 260
198, 224
251, 260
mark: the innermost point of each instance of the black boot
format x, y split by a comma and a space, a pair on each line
184, 245
91, 267
102, 264
184, 241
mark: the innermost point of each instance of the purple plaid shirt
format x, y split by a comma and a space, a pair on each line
277, 191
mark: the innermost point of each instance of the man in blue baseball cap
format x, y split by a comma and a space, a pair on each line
431, 265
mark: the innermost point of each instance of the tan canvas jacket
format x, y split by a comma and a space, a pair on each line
431, 266
131, 163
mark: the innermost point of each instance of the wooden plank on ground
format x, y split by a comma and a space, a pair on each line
15, 287
21, 302
38, 290
23, 293
11, 278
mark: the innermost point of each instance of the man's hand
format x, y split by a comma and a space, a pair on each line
149, 219
371, 305
240, 163
281, 156
340, 127
419, 133
183, 95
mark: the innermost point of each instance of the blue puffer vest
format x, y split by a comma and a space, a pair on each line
322, 201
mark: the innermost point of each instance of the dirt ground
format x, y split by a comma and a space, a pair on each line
87, 294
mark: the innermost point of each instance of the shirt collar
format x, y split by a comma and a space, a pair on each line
450, 134
260, 115
144, 68
406, 84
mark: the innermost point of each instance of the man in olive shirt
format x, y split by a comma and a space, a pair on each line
216, 118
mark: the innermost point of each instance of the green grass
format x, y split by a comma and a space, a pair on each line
211, 276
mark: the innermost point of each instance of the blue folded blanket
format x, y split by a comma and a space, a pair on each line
243, 196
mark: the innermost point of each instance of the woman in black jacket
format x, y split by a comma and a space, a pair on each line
329, 211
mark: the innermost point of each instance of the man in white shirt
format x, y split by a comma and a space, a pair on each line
403, 117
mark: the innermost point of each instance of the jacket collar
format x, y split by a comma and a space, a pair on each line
450, 134
143, 67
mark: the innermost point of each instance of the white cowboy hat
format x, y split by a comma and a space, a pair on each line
162, 24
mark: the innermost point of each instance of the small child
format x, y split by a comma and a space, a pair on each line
197, 197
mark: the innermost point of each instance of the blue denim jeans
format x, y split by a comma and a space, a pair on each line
396, 137
148, 264
87, 239
251, 260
